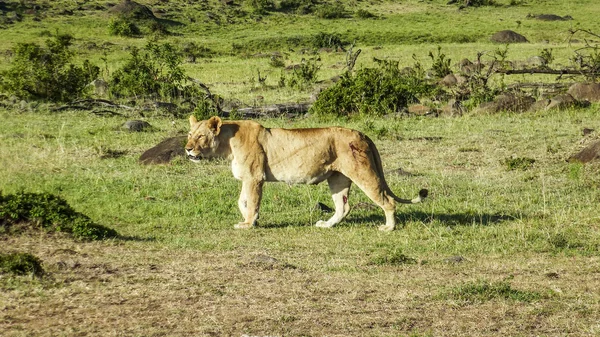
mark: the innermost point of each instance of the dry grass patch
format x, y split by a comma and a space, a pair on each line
145, 288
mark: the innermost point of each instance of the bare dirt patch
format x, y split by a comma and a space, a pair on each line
145, 288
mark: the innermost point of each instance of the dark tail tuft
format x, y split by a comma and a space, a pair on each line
423, 193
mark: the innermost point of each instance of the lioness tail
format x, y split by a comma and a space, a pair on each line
422, 195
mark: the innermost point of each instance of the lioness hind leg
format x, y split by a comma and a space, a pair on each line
373, 188
249, 203
339, 185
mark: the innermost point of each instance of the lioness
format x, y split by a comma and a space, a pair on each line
309, 156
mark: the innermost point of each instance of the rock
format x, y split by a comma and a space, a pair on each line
100, 87
268, 263
562, 102
587, 131
508, 36
507, 102
420, 110
165, 151
585, 91
453, 108
136, 125
132, 10
455, 259
536, 61
449, 80
539, 105
591, 152
549, 17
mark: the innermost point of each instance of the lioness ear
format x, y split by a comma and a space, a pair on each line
214, 124
193, 120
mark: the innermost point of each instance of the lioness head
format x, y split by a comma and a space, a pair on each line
202, 139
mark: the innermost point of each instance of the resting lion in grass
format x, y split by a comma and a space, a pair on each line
296, 156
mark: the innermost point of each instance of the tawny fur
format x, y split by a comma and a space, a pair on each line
296, 156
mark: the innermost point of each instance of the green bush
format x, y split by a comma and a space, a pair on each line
302, 76
326, 40
331, 11
50, 212
154, 72
20, 264
47, 72
261, 6
440, 64
374, 91
123, 27
364, 14
297, 6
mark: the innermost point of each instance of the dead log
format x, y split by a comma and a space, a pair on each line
544, 71
274, 110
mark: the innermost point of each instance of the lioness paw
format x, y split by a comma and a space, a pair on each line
386, 228
323, 224
242, 225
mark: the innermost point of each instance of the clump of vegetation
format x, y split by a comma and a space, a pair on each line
20, 264
123, 27
326, 40
297, 6
365, 14
392, 257
191, 51
302, 76
49, 212
441, 64
483, 291
374, 91
261, 7
155, 72
207, 107
47, 73
331, 11
519, 163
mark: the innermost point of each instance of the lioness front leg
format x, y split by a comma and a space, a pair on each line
249, 203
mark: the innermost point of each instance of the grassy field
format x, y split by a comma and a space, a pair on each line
507, 244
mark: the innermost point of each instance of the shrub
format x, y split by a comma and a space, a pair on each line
20, 264
441, 65
331, 11
298, 6
374, 91
303, 76
261, 6
208, 107
154, 71
364, 14
50, 212
123, 27
326, 40
46, 72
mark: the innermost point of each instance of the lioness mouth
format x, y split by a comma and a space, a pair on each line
192, 157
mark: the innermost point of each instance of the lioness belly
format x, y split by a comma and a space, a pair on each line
301, 176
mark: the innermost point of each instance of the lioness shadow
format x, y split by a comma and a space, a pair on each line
444, 219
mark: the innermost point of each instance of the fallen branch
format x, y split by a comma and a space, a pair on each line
544, 71
290, 109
